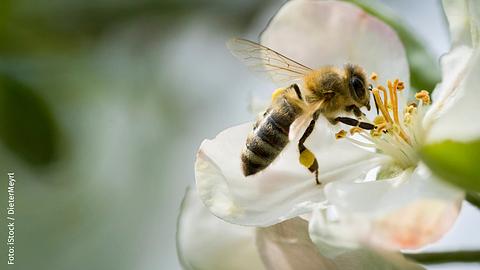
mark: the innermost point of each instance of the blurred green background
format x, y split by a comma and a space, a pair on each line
102, 107
101, 112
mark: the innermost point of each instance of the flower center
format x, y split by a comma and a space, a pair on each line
397, 135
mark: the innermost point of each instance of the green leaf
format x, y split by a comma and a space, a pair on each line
424, 67
455, 162
27, 126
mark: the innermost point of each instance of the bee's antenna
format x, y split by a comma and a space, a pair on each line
370, 87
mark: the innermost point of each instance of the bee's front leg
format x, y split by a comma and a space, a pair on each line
352, 122
356, 111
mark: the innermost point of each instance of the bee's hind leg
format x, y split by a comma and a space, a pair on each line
307, 158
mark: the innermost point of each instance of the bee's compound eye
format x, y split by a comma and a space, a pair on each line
358, 87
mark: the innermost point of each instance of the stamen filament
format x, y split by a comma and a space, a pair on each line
385, 113
364, 144
385, 95
367, 138
393, 99
403, 135
381, 106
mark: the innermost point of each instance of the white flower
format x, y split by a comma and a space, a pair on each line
405, 206
206, 242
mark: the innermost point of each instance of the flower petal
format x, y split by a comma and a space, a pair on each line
365, 259
200, 247
322, 33
287, 246
285, 189
453, 114
464, 21
454, 66
405, 212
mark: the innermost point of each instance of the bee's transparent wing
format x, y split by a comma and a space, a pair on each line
301, 123
259, 58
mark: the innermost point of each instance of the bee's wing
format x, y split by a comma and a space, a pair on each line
301, 123
259, 58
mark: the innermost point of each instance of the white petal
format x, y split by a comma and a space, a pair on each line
285, 189
405, 212
206, 242
287, 246
453, 115
365, 259
320, 33
464, 21
454, 66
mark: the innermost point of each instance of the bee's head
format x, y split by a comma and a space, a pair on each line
357, 83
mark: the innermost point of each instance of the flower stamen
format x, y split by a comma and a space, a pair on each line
392, 134
385, 95
360, 143
410, 111
401, 85
381, 106
424, 96
392, 88
384, 108
354, 130
341, 134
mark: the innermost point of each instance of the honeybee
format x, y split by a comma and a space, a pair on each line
327, 91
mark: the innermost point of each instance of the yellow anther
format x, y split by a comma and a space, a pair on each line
375, 133
400, 85
379, 129
341, 134
410, 109
379, 119
307, 158
354, 130
277, 93
382, 126
424, 96
407, 118
374, 76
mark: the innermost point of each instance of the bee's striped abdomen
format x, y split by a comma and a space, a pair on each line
269, 137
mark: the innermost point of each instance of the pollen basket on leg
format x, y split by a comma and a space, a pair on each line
306, 158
